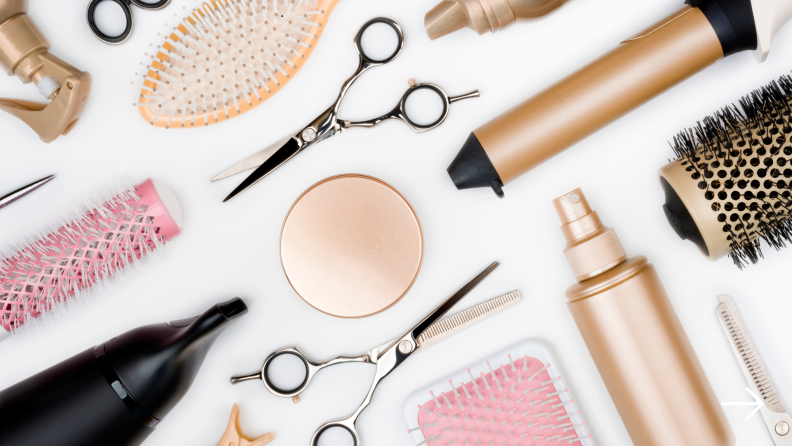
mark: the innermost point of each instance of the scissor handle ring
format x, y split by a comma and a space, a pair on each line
157, 5
349, 425
359, 39
287, 393
424, 127
110, 40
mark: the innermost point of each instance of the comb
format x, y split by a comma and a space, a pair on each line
522, 402
464, 319
777, 420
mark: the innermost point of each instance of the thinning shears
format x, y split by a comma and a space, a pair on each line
328, 123
778, 421
391, 354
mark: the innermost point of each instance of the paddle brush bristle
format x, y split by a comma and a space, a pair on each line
226, 57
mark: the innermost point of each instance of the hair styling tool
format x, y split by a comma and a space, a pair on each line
116, 393
7, 199
390, 355
24, 52
227, 57
234, 436
328, 123
125, 7
527, 401
641, 68
351, 246
483, 16
105, 235
729, 187
623, 313
775, 416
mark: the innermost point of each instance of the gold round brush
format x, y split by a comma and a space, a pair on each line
730, 185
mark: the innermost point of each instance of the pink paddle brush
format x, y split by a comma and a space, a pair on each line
523, 402
102, 237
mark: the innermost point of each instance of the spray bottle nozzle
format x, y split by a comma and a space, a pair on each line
591, 247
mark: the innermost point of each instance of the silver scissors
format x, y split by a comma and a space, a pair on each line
391, 354
328, 123
778, 421
125, 6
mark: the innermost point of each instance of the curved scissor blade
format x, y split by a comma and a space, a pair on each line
291, 148
254, 160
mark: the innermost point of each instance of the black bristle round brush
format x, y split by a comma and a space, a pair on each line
730, 185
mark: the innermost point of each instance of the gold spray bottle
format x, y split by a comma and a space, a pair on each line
635, 337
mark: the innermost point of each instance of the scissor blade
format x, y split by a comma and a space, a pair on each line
450, 302
254, 160
291, 148
745, 350
452, 325
22, 191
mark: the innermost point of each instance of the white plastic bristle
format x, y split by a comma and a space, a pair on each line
505, 399
505, 375
546, 426
541, 389
437, 403
494, 376
538, 372
560, 439
556, 406
525, 413
525, 362
484, 378
563, 417
520, 400
514, 387
513, 367
467, 394
450, 406
526, 391
538, 437
552, 437
558, 412
486, 408
551, 400
574, 426
544, 383
557, 393
519, 376
424, 409
451, 383
534, 402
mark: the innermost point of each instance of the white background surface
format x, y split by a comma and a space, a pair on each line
231, 249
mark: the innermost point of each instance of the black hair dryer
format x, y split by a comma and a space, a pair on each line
116, 393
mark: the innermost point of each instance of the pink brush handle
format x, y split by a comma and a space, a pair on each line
83, 252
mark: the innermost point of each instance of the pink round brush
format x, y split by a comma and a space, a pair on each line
97, 239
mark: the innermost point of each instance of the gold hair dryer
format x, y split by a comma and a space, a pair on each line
24, 52
483, 15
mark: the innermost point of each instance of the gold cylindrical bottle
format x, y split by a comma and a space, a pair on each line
636, 338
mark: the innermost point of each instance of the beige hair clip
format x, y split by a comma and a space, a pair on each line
233, 435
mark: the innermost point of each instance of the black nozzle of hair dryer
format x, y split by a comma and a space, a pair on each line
114, 394
158, 363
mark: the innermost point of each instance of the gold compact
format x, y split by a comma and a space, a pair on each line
351, 246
